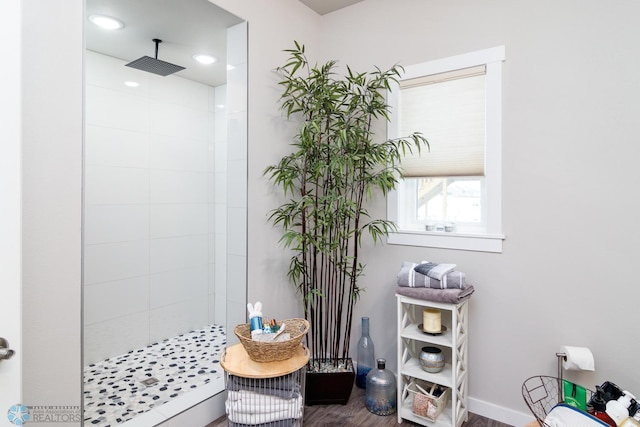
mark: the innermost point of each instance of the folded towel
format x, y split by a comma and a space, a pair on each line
279, 423
408, 276
435, 271
254, 408
285, 386
454, 296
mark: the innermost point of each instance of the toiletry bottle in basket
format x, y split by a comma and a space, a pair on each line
255, 318
618, 409
599, 406
629, 422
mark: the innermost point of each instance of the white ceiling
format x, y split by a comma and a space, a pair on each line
326, 6
186, 27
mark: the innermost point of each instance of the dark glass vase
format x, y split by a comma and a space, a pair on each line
366, 359
380, 394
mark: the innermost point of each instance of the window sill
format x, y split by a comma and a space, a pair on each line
446, 240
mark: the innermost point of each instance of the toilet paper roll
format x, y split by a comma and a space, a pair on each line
577, 358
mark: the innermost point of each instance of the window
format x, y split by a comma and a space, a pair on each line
450, 197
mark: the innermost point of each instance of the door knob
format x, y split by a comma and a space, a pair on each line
5, 353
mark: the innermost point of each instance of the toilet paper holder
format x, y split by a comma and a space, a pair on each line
562, 357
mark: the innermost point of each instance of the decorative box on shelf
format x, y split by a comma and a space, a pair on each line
450, 407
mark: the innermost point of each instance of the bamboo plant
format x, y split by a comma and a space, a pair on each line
336, 166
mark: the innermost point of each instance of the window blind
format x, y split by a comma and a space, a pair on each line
449, 110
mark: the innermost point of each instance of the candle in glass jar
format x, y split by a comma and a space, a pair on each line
431, 320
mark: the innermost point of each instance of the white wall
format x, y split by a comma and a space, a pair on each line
273, 26
570, 176
51, 202
149, 198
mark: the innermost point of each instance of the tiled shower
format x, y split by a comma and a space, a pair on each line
165, 202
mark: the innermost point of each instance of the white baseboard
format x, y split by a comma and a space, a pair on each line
499, 413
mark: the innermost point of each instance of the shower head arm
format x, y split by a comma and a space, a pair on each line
157, 42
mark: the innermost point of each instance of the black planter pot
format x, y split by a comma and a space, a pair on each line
328, 388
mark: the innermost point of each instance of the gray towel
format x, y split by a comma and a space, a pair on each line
285, 387
409, 277
453, 296
433, 270
279, 423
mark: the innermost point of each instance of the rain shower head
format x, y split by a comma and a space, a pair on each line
154, 65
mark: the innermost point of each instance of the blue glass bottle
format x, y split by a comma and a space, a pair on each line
365, 360
381, 391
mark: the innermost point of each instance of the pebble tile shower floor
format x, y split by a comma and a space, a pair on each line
113, 388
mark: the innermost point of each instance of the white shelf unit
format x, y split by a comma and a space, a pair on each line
454, 344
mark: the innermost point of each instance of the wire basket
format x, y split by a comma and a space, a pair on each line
260, 351
273, 402
424, 403
542, 393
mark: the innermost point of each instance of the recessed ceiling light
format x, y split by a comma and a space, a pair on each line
230, 67
131, 84
205, 59
106, 22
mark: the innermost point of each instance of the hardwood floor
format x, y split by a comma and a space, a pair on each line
355, 414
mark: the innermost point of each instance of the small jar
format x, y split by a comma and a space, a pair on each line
431, 359
381, 390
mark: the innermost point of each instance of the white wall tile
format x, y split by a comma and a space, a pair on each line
108, 300
179, 91
116, 147
220, 248
178, 153
237, 44
237, 138
178, 252
236, 278
114, 261
220, 188
116, 223
116, 109
236, 315
221, 157
237, 231
237, 89
179, 220
178, 186
153, 157
176, 120
220, 96
116, 185
237, 184
111, 73
115, 336
178, 285
219, 314
212, 247
174, 319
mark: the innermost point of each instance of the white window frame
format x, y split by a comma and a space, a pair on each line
491, 240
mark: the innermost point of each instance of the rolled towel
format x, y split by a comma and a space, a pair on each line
454, 296
408, 276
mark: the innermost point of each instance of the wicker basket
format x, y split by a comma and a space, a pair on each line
273, 351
